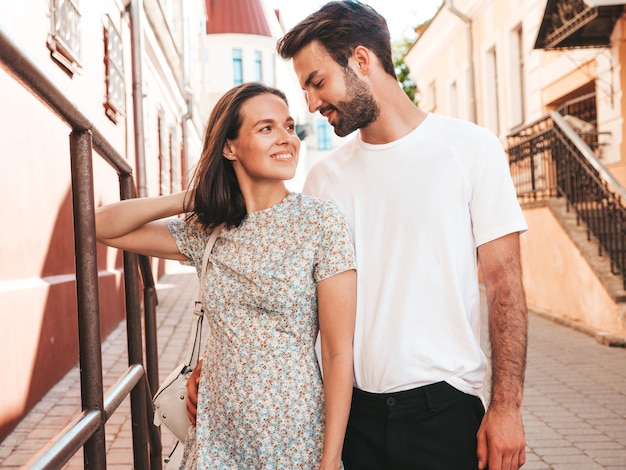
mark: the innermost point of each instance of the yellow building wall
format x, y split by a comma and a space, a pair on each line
559, 280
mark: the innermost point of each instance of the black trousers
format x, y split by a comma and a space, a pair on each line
431, 428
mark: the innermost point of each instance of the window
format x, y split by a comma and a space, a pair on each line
164, 157
175, 156
431, 97
271, 71
454, 100
114, 64
493, 102
64, 38
324, 135
517, 78
237, 67
258, 66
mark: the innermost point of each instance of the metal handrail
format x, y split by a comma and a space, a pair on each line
86, 423
87, 429
548, 159
584, 149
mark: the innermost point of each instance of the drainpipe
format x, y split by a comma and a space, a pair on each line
185, 118
188, 115
136, 33
470, 45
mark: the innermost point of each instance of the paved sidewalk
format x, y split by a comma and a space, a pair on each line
574, 400
574, 404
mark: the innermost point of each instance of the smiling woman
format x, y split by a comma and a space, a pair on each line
281, 271
265, 151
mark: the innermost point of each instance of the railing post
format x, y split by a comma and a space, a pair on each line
87, 293
152, 356
150, 325
138, 402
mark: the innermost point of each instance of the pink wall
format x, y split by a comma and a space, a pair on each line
38, 318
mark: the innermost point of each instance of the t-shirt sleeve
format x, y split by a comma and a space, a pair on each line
191, 240
335, 253
495, 209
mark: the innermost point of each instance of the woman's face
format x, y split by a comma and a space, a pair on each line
267, 147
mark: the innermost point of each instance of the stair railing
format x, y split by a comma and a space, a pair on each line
549, 159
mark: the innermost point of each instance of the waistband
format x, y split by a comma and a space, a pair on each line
415, 396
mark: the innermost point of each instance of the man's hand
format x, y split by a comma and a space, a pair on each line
501, 440
192, 392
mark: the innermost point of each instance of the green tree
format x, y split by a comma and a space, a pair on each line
399, 50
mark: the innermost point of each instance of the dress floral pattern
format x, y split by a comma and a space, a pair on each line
260, 403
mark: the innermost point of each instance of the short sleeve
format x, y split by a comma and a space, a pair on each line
191, 240
335, 253
494, 206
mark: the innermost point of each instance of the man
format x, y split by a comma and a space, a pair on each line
427, 199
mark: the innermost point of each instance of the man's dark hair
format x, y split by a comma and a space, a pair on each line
341, 26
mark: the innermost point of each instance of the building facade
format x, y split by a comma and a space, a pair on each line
506, 65
242, 39
132, 77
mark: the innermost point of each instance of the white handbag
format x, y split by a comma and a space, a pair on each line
170, 399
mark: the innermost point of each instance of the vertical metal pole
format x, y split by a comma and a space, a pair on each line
152, 357
87, 293
138, 404
136, 32
150, 325
152, 350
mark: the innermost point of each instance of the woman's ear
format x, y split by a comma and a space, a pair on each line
228, 151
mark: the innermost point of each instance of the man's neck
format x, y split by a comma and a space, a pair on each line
392, 126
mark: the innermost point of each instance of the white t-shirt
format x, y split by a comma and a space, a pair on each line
417, 209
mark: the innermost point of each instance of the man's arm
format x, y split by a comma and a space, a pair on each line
501, 441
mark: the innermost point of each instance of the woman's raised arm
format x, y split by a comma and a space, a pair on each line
138, 224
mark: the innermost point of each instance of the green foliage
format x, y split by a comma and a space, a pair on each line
399, 50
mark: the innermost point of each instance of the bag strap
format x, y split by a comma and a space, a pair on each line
195, 337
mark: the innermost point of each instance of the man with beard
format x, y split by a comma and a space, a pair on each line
427, 199
424, 195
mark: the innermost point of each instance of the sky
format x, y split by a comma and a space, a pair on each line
401, 15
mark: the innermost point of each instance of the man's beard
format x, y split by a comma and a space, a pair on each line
358, 110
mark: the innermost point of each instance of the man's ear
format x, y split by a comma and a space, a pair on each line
362, 58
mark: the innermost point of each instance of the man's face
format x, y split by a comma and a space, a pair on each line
337, 93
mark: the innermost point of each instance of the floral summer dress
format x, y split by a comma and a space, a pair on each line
260, 402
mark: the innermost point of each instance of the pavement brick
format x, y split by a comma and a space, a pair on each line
574, 404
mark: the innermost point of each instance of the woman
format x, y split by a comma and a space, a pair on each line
281, 270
